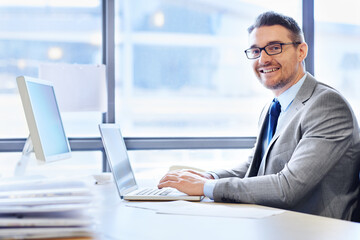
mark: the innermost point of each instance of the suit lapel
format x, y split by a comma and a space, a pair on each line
295, 106
301, 97
253, 169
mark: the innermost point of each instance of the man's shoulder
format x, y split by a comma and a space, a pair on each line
328, 93
329, 101
323, 87
312, 82
323, 90
320, 97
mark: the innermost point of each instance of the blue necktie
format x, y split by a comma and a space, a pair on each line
274, 113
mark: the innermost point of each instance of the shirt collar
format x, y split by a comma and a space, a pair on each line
288, 96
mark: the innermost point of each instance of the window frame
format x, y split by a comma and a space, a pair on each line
158, 143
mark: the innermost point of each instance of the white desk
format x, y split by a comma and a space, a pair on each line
116, 221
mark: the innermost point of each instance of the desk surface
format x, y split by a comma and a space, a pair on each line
116, 221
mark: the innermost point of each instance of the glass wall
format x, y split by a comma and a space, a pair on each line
181, 68
35, 32
337, 48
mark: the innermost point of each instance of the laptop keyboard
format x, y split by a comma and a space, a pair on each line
154, 191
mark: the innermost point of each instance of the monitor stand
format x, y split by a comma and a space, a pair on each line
21, 165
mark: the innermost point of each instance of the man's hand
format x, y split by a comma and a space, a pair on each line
187, 181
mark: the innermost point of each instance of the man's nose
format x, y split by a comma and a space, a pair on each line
264, 57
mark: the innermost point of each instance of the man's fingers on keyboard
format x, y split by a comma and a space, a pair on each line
169, 177
168, 183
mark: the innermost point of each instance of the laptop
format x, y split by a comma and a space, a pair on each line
124, 178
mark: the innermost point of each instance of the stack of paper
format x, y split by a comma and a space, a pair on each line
45, 208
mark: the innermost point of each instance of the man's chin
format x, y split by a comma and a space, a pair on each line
271, 85
268, 83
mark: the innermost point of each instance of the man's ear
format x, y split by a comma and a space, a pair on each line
303, 50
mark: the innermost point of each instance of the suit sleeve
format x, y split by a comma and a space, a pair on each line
325, 129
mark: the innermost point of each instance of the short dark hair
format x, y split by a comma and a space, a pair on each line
271, 18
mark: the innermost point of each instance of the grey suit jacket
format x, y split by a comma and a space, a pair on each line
312, 163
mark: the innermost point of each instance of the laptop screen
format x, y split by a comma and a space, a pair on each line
117, 157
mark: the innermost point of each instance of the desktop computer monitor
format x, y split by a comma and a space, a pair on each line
47, 134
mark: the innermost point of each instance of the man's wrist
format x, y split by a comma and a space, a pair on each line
208, 175
213, 175
209, 188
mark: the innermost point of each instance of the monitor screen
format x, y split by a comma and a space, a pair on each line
43, 118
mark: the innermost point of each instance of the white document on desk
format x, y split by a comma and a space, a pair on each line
46, 233
44, 195
208, 209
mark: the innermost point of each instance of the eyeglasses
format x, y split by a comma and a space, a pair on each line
270, 49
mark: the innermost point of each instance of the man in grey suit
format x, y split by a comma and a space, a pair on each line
306, 157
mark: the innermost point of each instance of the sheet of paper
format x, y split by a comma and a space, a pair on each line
43, 222
37, 233
207, 209
43, 195
44, 201
69, 81
38, 183
57, 192
47, 208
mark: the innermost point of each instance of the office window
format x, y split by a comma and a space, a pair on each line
337, 49
181, 68
35, 32
150, 166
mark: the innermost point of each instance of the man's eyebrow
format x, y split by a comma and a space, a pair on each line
272, 42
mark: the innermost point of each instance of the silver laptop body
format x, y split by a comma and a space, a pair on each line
124, 178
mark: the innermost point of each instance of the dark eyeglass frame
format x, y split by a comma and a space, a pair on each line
271, 44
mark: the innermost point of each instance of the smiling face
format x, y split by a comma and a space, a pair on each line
277, 72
